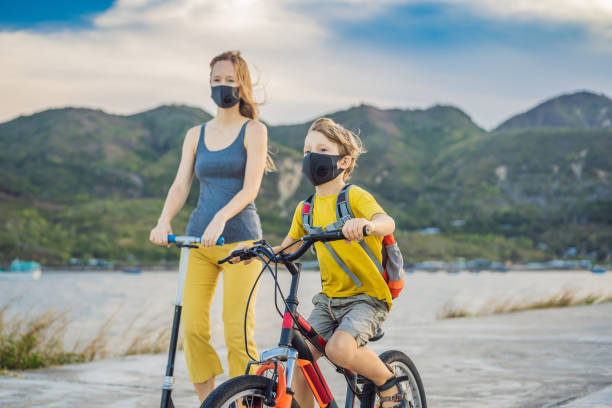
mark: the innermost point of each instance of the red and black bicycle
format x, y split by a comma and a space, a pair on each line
271, 385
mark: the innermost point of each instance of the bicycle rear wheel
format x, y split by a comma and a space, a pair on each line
246, 391
402, 366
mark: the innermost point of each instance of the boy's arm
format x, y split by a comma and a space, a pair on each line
367, 213
296, 230
288, 240
380, 225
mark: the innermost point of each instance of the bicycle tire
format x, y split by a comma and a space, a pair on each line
403, 366
245, 386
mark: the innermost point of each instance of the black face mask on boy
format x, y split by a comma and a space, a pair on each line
320, 168
225, 96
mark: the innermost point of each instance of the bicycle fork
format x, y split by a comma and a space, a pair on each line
284, 378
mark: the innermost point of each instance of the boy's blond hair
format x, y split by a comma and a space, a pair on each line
349, 143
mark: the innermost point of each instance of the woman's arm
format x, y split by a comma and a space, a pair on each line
256, 144
179, 190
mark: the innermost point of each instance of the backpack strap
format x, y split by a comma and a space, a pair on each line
307, 216
343, 207
345, 213
307, 209
342, 265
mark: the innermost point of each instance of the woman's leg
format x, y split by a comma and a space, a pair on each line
238, 279
203, 363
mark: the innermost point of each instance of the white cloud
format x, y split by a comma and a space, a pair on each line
596, 14
143, 53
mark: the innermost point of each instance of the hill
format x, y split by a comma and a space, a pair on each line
83, 183
580, 110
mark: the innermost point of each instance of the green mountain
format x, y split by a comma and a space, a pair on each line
580, 110
80, 183
74, 155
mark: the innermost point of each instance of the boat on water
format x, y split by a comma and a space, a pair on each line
26, 270
134, 271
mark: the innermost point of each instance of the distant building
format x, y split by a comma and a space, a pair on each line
429, 231
457, 223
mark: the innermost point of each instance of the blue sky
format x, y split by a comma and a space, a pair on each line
36, 14
491, 58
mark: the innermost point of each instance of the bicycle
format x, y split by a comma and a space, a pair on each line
271, 385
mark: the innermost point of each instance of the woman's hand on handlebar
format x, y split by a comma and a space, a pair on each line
159, 234
354, 228
213, 231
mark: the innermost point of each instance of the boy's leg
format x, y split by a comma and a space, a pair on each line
343, 350
361, 316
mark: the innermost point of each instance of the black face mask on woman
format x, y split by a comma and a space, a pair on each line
225, 96
320, 168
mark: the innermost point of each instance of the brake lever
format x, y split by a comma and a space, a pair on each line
232, 254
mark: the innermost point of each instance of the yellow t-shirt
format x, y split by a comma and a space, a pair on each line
334, 281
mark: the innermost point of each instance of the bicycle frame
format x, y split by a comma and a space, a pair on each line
291, 347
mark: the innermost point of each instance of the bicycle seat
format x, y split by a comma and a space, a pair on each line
379, 335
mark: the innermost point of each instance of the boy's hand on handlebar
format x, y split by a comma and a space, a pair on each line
159, 234
236, 259
244, 245
353, 229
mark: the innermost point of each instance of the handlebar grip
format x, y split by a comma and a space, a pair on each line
338, 233
172, 239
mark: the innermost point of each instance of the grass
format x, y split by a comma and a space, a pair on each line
564, 298
31, 341
34, 342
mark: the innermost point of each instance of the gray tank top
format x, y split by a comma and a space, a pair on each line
221, 176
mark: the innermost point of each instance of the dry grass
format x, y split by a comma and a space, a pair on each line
148, 339
563, 298
97, 347
35, 340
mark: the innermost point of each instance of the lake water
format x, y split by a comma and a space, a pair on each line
136, 304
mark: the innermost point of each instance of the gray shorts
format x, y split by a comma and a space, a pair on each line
360, 315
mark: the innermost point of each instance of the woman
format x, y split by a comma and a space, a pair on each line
228, 154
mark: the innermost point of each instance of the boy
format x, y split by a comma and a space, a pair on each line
355, 299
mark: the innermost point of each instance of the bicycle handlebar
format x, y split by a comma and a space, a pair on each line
187, 240
308, 240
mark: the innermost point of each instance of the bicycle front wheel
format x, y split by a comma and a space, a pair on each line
246, 391
402, 366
